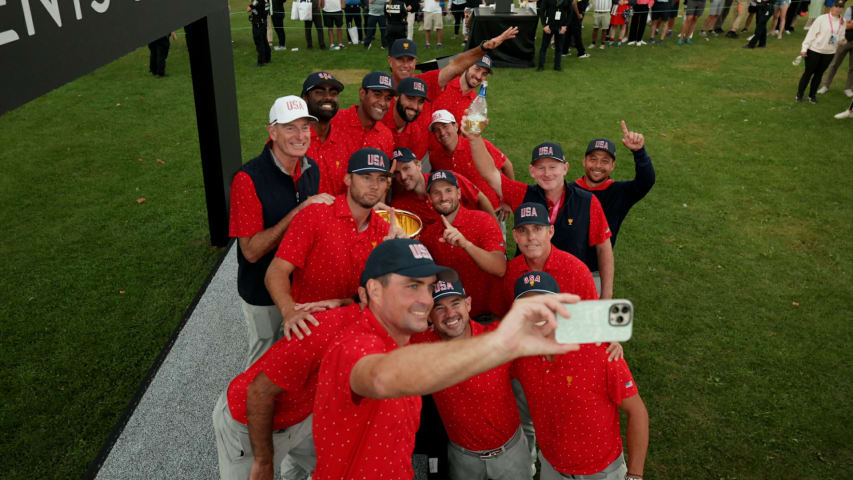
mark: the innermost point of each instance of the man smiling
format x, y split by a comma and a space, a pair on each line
266, 194
326, 246
366, 408
360, 126
616, 198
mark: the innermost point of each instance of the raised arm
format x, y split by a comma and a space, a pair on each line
490, 262
461, 62
425, 368
483, 162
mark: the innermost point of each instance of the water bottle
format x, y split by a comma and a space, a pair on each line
475, 122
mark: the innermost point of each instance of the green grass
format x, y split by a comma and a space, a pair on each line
738, 261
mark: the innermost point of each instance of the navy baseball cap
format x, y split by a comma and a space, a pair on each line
485, 62
378, 81
403, 155
442, 176
366, 160
412, 87
403, 47
603, 144
548, 150
535, 281
531, 213
445, 289
407, 257
319, 78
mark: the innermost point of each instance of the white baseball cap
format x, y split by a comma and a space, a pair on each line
289, 108
441, 116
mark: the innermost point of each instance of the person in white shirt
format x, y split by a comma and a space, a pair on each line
843, 50
432, 21
333, 16
818, 48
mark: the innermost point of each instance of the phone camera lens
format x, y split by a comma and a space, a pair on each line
625, 309
620, 320
614, 309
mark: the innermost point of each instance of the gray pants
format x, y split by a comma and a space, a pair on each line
526, 421
264, 328
614, 471
512, 464
840, 53
235, 449
596, 277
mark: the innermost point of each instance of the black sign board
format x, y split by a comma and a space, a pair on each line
47, 43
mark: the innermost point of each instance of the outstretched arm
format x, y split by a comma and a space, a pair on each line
426, 368
469, 57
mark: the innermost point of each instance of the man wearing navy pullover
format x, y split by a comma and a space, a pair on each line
616, 197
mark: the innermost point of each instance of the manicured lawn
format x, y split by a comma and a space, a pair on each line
738, 261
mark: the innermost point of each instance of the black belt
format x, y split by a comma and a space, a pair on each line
484, 454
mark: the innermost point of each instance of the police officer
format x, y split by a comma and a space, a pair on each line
396, 13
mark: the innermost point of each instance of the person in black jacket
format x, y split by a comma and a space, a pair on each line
554, 16
396, 13
616, 197
258, 12
266, 193
278, 24
764, 11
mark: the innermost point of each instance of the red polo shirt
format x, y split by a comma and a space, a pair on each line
453, 100
346, 136
415, 136
357, 437
482, 229
460, 161
332, 156
292, 365
571, 274
479, 413
329, 252
247, 213
599, 231
574, 403
422, 207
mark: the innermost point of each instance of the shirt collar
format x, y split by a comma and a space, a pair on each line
603, 186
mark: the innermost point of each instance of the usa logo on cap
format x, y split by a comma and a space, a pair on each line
419, 86
487, 60
601, 144
438, 176
325, 76
419, 251
546, 150
532, 279
293, 105
385, 80
374, 160
441, 286
528, 212
397, 154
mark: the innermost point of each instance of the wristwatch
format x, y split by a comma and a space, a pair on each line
632, 476
483, 46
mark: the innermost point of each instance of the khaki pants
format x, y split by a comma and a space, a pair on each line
235, 450
264, 328
743, 11
512, 464
840, 53
614, 471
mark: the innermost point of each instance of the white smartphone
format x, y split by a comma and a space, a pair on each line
594, 321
